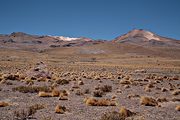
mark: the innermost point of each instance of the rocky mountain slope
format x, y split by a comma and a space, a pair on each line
143, 37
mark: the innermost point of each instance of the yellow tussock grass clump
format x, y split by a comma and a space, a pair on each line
60, 109
55, 93
44, 94
148, 101
99, 102
4, 104
125, 112
178, 108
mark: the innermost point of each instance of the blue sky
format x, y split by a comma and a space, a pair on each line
97, 19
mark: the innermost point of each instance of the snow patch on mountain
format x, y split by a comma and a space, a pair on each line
150, 36
64, 38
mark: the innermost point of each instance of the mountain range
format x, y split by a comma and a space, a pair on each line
137, 41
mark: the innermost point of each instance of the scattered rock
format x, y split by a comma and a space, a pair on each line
40, 70
87, 91
119, 91
175, 78
75, 86
97, 78
80, 83
126, 86
133, 96
54, 46
113, 97
175, 99
79, 92
140, 71
150, 85
163, 89
172, 87
11, 77
62, 81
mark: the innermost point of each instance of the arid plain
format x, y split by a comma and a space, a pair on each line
134, 77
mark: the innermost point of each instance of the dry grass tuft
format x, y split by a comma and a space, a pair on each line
64, 92
63, 95
112, 116
87, 91
125, 112
148, 101
26, 114
32, 89
98, 93
29, 82
62, 82
55, 93
60, 109
11, 76
161, 99
90, 101
99, 102
4, 104
106, 88
177, 108
44, 94
46, 118
32, 109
